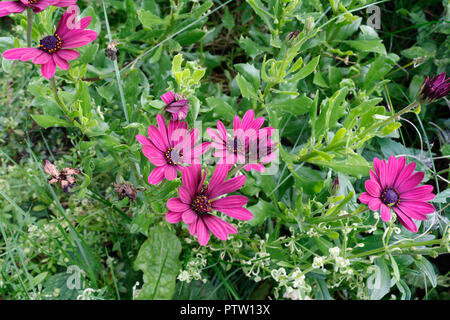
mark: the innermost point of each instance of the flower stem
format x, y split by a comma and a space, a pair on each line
58, 99
29, 26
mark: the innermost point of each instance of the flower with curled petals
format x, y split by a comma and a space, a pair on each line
394, 185
170, 147
175, 105
435, 88
197, 201
57, 50
18, 6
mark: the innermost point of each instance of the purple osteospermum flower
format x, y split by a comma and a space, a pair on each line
56, 50
394, 185
435, 88
168, 148
18, 6
197, 201
232, 149
175, 105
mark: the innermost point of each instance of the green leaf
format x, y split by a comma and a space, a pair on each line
221, 108
261, 211
306, 70
374, 45
427, 268
227, 19
296, 107
190, 37
250, 73
442, 197
247, 89
379, 284
158, 260
49, 121
150, 20
353, 164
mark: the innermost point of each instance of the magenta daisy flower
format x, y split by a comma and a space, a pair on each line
169, 148
56, 50
435, 88
197, 201
18, 6
231, 148
175, 105
393, 185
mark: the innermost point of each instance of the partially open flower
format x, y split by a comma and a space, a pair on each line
56, 50
175, 105
434, 88
18, 6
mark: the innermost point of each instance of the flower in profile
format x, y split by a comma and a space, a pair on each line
435, 88
56, 50
175, 105
393, 185
231, 148
18, 6
170, 147
197, 201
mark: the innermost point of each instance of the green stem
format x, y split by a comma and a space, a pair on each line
58, 99
29, 26
400, 246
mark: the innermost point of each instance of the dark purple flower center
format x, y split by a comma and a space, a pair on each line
235, 146
390, 196
201, 204
173, 157
50, 44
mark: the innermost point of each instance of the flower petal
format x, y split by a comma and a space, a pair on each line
373, 188
189, 216
406, 221
229, 202
237, 213
228, 186
411, 182
202, 232
176, 205
217, 226
48, 69
385, 212
365, 197
157, 175
173, 217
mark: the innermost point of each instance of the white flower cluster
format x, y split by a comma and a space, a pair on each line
91, 294
260, 260
294, 283
193, 269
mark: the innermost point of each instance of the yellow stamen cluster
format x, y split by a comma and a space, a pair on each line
201, 204
173, 158
55, 48
33, 1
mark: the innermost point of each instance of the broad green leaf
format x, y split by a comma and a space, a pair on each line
296, 107
261, 211
306, 70
379, 284
246, 88
149, 20
159, 262
223, 109
427, 268
46, 121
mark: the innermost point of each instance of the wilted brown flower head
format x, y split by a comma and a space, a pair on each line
65, 176
125, 190
111, 50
